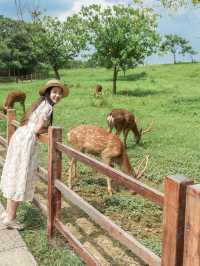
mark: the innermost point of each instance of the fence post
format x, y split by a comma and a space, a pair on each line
11, 115
174, 220
54, 172
192, 227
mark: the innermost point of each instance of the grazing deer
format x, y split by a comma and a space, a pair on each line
108, 146
98, 90
11, 98
122, 119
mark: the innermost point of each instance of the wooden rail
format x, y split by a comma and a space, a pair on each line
123, 179
73, 242
3, 142
112, 229
3, 116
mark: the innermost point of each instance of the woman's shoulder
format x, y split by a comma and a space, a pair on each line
48, 105
45, 106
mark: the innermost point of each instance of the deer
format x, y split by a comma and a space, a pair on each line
11, 98
122, 119
98, 90
106, 145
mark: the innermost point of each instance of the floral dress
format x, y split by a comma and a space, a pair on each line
19, 172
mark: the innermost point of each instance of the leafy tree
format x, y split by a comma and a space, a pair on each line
174, 44
57, 42
178, 3
189, 50
122, 36
16, 47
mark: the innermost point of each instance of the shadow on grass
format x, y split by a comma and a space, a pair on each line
140, 92
130, 77
133, 77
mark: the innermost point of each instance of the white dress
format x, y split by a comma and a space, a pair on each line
18, 176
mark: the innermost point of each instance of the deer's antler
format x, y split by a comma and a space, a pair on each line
137, 171
149, 128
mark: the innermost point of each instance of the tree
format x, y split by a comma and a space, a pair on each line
178, 3
16, 49
174, 44
58, 42
189, 50
122, 36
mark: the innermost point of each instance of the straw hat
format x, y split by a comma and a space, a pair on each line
54, 83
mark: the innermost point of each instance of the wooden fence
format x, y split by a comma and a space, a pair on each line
180, 202
27, 77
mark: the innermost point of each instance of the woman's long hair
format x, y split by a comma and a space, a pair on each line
28, 113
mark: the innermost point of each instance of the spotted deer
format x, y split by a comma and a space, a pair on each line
11, 98
98, 89
122, 119
108, 146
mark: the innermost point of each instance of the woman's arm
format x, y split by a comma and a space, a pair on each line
39, 128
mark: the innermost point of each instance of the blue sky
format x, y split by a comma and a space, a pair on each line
185, 22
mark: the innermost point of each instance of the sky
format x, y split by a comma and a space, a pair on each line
185, 22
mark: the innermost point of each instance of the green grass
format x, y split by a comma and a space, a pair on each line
166, 94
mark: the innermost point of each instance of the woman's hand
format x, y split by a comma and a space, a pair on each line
39, 128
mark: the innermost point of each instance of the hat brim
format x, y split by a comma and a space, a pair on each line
64, 88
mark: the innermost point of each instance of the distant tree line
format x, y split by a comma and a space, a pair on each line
118, 37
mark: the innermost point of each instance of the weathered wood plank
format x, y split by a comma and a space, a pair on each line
123, 179
3, 116
192, 227
15, 123
76, 245
73, 242
43, 173
44, 138
112, 229
174, 220
3, 141
54, 172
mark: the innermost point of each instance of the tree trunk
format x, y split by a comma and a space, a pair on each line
56, 72
115, 80
174, 55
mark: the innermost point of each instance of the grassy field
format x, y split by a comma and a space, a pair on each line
169, 96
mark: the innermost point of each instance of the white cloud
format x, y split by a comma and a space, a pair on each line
77, 7
78, 4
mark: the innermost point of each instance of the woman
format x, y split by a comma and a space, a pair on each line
18, 175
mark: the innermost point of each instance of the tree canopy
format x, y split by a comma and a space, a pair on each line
175, 44
121, 35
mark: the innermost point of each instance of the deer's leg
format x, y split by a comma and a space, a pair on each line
74, 169
110, 123
109, 186
71, 172
107, 161
118, 131
125, 132
110, 128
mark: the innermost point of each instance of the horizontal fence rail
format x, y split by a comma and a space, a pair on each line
3, 116
129, 182
111, 228
73, 242
3, 141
